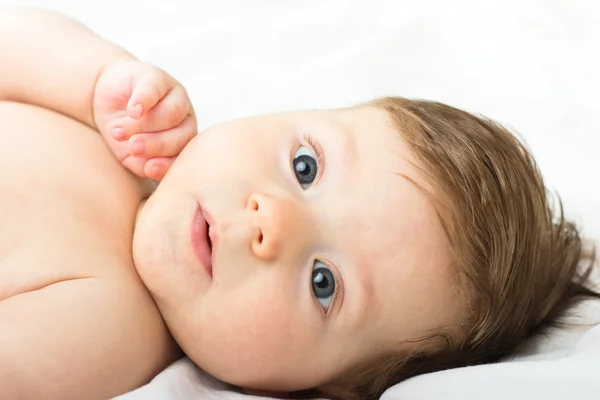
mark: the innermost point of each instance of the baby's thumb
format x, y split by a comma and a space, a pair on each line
148, 90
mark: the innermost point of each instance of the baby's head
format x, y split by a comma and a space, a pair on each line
351, 249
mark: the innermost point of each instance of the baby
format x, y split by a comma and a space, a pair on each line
332, 252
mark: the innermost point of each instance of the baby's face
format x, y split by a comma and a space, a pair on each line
323, 250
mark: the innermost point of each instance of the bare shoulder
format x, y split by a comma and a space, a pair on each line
76, 320
67, 207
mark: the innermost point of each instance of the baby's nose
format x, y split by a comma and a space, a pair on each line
278, 225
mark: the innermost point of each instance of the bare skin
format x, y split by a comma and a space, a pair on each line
76, 321
67, 212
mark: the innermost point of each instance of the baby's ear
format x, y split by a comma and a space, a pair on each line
266, 393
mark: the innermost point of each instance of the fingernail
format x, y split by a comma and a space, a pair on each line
118, 133
137, 147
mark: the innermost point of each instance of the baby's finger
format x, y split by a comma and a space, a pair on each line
163, 144
168, 113
123, 128
148, 90
135, 165
156, 168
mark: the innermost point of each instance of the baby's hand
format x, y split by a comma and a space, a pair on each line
144, 115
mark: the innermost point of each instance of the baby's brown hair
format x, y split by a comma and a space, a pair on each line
522, 265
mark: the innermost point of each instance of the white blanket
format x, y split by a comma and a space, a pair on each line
531, 64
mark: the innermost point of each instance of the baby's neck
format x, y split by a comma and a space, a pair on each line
148, 187
139, 211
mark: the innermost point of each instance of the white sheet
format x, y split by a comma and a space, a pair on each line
533, 65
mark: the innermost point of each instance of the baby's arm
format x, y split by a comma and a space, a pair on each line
75, 319
63, 341
52, 61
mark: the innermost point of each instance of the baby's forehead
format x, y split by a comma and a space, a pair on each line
402, 258
402, 242
382, 143
349, 116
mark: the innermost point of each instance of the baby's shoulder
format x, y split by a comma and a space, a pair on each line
67, 206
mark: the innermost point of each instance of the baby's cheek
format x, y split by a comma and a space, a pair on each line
248, 339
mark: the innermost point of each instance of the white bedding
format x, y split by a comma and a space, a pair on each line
533, 65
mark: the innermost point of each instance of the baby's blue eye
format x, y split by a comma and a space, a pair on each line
323, 284
305, 167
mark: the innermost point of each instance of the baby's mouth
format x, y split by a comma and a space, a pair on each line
201, 241
209, 239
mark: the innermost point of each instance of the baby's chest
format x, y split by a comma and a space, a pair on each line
67, 207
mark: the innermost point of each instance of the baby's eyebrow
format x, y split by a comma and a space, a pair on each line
367, 284
346, 137
367, 301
